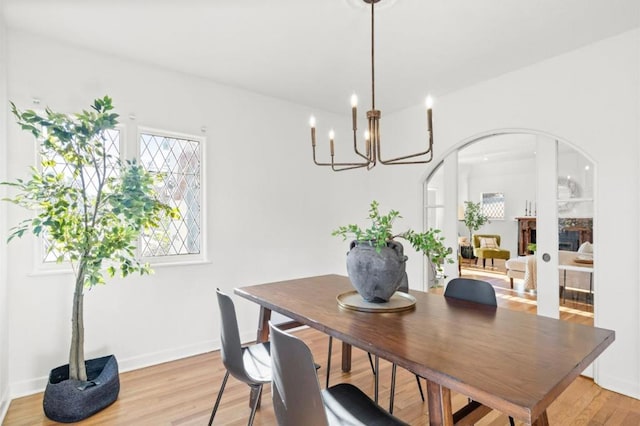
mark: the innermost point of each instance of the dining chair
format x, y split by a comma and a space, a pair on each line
476, 291
298, 400
250, 364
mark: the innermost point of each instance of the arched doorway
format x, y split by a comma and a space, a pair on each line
543, 179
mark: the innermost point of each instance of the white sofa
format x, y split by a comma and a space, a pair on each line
524, 268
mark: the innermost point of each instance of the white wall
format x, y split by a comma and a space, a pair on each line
589, 97
4, 305
269, 211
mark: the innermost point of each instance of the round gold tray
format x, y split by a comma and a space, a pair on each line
399, 302
584, 261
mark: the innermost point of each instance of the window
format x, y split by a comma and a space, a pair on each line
178, 159
57, 165
493, 204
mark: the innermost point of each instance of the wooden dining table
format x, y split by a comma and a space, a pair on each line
510, 361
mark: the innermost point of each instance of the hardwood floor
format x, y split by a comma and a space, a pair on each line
183, 392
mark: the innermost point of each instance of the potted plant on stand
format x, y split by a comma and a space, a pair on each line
91, 214
376, 260
474, 219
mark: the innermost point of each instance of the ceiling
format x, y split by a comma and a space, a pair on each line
316, 52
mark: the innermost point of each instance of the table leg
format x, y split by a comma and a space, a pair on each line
263, 336
439, 399
263, 325
346, 357
542, 420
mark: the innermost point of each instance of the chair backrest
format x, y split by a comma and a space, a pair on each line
476, 239
296, 395
231, 346
472, 290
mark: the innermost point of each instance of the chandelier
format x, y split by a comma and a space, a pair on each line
371, 154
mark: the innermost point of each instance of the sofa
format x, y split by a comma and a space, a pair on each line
524, 268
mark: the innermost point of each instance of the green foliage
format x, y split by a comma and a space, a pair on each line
94, 217
474, 217
430, 243
532, 247
378, 233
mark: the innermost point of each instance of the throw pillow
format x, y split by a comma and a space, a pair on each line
488, 243
586, 247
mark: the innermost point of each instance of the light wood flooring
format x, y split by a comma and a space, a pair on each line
183, 392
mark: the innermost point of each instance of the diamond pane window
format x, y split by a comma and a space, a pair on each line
178, 161
493, 204
58, 165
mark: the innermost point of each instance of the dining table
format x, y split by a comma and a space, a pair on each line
510, 361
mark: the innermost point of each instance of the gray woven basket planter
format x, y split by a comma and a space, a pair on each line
69, 401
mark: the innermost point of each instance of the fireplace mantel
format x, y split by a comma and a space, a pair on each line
572, 232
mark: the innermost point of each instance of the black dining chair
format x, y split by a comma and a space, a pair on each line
298, 400
250, 364
476, 291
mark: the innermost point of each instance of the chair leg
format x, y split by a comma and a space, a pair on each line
373, 370
215, 407
420, 387
392, 393
484, 263
255, 405
375, 380
511, 422
511, 281
329, 361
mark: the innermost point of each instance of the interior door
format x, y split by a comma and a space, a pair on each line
547, 227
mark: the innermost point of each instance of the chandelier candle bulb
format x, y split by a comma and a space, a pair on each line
331, 136
354, 111
429, 103
312, 123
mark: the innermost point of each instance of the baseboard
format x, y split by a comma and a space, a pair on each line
36, 385
614, 384
4, 405
160, 357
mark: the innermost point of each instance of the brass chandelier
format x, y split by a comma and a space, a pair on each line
372, 155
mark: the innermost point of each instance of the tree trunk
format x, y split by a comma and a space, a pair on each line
77, 368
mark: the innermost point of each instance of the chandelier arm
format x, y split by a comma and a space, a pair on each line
349, 167
398, 160
355, 147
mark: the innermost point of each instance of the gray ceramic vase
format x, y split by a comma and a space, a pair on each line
377, 275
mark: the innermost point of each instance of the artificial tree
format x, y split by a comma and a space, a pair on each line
474, 217
92, 214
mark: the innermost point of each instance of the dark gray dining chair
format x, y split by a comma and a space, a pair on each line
298, 400
250, 364
476, 291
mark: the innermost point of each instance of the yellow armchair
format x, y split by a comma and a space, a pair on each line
487, 246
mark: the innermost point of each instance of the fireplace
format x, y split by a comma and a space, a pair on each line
572, 232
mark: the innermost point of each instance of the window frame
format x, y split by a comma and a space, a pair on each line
179, 259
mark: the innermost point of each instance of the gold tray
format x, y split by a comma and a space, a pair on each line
584, 261
398, 302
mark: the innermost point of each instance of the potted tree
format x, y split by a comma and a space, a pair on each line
474, 219
376, 260
91, 214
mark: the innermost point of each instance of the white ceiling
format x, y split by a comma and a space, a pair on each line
316, 52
